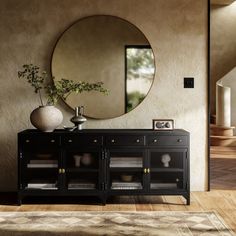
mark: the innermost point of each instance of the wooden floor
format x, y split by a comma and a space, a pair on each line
222, 198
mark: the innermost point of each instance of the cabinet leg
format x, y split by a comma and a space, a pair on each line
187, 197
188, 201
103, 200
19, 200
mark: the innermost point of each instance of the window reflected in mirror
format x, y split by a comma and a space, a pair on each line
140, 70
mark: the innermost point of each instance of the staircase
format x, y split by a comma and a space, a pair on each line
222, 139
222, 136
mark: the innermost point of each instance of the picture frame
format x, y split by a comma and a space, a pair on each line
163, 124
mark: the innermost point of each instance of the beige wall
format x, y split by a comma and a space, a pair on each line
223, 49
177, 31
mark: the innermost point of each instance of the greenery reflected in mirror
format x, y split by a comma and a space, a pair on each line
140, 70
98, 48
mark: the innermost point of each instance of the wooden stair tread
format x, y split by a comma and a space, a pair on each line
216, 140
223, 137
223, 149
228, 152
220, 148
214, 126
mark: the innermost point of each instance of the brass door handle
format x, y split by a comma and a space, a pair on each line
59, 171
148, 170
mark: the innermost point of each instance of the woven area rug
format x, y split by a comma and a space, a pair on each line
112, 223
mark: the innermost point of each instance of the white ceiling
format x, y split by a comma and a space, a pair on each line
222, 2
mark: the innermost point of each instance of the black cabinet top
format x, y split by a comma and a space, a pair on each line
111, 131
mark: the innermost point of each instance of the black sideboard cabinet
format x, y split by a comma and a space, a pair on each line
103, 163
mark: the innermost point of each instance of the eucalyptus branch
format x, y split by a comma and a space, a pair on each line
59, 89
40, 97
31, 74
64, 87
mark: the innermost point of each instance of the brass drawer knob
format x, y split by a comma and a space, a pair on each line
52, 141
179, 140
113, 140
155, 140
95, 140
137, 141
27, 141
62, 171
69, 141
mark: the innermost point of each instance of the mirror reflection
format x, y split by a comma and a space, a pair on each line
110, 50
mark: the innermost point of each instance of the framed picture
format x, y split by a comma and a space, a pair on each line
163, 124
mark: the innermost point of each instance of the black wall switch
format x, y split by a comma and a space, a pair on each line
188, 82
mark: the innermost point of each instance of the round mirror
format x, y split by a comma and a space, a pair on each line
105, 49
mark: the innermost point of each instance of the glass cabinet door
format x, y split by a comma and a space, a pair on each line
82, 169
40, 169
167, 169
125, 170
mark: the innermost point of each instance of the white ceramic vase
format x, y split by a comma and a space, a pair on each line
46, 118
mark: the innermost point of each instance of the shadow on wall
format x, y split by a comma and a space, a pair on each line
14, 118
8, 163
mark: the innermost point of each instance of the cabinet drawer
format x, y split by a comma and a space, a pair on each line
89, 140
125, 140
41, 140
167, 140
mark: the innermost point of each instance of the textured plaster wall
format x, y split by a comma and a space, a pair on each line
223, 50
177, 31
